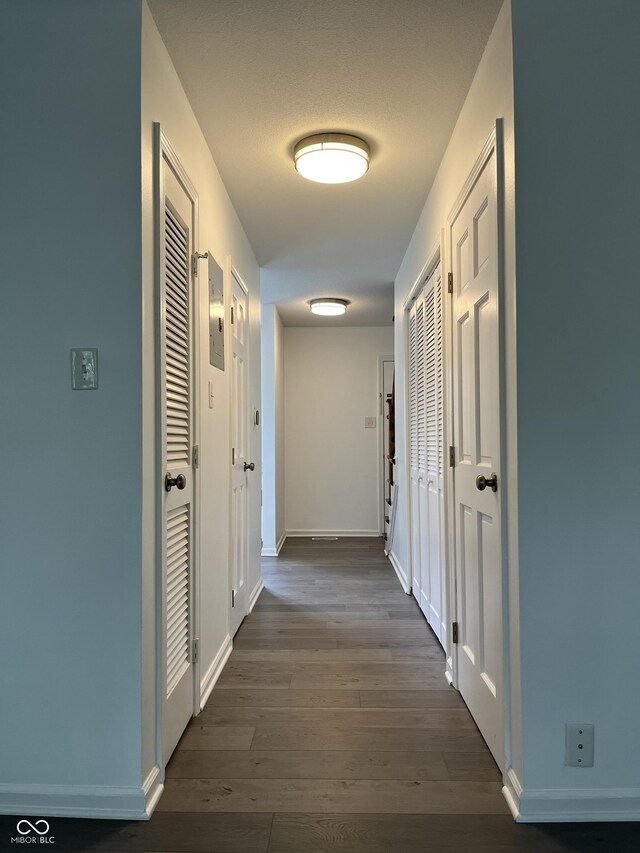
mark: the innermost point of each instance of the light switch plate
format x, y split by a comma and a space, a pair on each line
84, 369
369, 423
210, 395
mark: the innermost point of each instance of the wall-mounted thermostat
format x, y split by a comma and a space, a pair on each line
84, 369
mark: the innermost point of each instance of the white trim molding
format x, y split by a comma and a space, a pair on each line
306, 534
80, 801
571, 805
255, 594
512, 791
213, 672
402, 575
153, 788
275, 552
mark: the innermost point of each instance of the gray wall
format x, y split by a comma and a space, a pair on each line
577, 130
70, 461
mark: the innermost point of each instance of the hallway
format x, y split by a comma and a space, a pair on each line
332, 728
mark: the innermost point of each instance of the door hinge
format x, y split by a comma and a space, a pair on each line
196, 456
232, 320
233, 598
454, 632
452, 457
195, 650
450, 283
194, 262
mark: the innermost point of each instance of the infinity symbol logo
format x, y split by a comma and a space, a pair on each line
33, 827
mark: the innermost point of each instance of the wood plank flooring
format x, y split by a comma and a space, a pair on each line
332, 728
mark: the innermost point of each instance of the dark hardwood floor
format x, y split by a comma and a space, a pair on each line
332, 728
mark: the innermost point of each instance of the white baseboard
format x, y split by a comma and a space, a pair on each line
82, 801
402, 575
512, 791
339, 533
213, 672
153, 788
448, 673
567, 805
274, 552
255, 594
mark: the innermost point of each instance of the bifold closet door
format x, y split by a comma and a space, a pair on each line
427, 452
177, 428
434, 586
417, 448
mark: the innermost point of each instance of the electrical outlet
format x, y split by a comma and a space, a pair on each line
369, 423
579, 739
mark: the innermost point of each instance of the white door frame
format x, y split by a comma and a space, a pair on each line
164, 151
231, 272
381, 448
494, 143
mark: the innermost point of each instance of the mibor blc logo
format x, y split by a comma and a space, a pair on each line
33, 832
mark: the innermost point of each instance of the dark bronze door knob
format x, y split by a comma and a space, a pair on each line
483, 483
249, 466
180, 482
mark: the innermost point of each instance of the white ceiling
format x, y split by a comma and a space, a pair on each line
261, 74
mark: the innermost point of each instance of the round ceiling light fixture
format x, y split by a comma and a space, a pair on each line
331, 158
328, 307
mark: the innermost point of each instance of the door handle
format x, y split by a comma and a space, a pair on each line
249, 466
483, 482
180, 482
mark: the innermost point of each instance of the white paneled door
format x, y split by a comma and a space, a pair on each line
241, 466
177, 432
477, 471
426, 452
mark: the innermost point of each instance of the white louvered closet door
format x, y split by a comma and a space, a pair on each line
177, 440
434, 587
413, 453
426, 409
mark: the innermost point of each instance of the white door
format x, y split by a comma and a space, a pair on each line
427, 452
417, 448
241, 466
476, 411
177, 482
433, 586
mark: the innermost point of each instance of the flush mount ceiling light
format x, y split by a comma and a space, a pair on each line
331, 158
328, 307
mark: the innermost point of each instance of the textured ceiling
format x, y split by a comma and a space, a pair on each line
260, 74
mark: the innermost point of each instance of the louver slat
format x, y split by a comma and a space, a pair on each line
439, 377
412, 389
430, 368
177, 584
420, 402
178, 421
